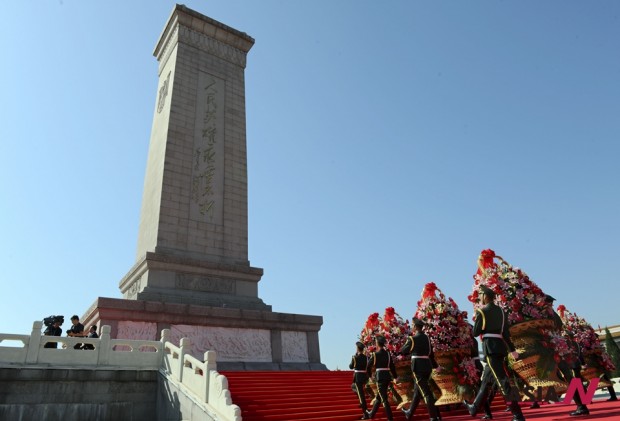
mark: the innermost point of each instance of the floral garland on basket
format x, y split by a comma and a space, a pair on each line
395, 330
446, 325
392, 326
577, 329
516, 293
528, 312
451, 337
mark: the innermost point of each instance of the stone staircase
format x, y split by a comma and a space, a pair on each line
302, 395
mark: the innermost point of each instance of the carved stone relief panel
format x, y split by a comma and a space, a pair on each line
137, 330
231, 344
294, 347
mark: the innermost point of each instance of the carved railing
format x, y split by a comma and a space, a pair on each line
199, 378
194, 377
108, 352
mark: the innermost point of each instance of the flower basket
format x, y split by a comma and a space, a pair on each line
451, 338
447, 380
594, 369
404, 382
598, 361
395, 329
533, 366
533, 332
403, 386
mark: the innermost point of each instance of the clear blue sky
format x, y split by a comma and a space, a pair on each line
388, 143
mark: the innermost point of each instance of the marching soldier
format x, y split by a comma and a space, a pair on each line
385, 371
492, 323
422, 364
567, 370
359, 364
475, 355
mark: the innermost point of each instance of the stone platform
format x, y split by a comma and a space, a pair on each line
243, 339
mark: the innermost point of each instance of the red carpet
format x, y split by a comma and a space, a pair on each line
327, 396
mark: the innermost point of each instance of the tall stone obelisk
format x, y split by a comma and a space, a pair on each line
192, 272
193, 238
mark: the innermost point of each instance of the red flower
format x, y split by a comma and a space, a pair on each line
429, 290
487, 254
561, 310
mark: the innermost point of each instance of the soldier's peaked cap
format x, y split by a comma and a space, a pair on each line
417, 322
380, 340
487, 291
549, 298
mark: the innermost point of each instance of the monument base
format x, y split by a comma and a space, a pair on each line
243, 339
172, 278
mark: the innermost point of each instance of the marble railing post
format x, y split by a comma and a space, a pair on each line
185, 349
104, 346
210, 359
34, 344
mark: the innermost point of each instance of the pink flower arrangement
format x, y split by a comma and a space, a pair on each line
517, 294
446, 325
560, 346
392, 326
467, 366
577, 329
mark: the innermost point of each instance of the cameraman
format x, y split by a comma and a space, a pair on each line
77, 330
53, 329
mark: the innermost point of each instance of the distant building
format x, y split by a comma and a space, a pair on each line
614, 330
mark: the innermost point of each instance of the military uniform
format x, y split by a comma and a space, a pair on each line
385, 371
492, 323
569, 371
422, 364
359, 365
475, 355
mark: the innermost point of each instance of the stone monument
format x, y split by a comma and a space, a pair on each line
192, 274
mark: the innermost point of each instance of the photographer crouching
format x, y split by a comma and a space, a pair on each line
77, 330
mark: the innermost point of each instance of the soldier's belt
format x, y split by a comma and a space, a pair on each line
413, 357
492, 335
359, 371
382, 369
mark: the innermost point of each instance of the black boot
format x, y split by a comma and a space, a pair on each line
470, 408
373, 411
408, 413
517, 415
581, 410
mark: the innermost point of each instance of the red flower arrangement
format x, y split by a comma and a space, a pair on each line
448, 330
516, 293
577, 329
392, 326
446, 325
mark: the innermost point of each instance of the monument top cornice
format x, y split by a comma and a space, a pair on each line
184, 16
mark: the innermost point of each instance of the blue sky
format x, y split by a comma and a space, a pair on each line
388, 143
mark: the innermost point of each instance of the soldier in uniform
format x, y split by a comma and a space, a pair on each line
422, 364
385, 371
492, 323
359, 364
475, 355
567, 370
